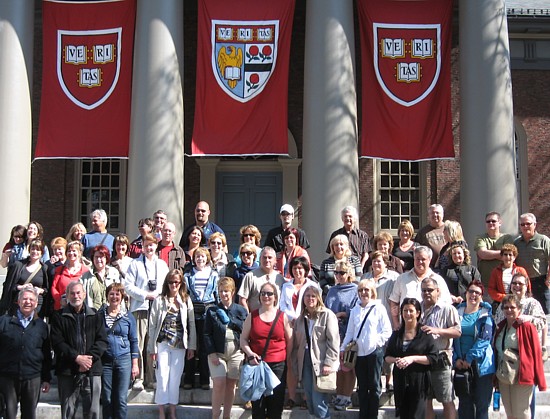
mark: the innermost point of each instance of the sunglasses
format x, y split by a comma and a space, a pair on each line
246, 253
174, 282
267, 293
521, 284
362, 290
474, 292
249, 235
491, 221
216, 243
526, 224
340, 272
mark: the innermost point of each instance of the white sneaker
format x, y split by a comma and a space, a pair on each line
343, 405
138, 385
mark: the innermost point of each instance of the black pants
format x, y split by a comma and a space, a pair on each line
272, 406
25, 391
200, 353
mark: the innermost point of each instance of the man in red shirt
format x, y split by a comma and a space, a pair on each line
168, 251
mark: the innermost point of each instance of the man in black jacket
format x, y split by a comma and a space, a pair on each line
79, 340
25, 357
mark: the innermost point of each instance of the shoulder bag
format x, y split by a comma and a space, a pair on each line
322, 383
508, 365
350, 352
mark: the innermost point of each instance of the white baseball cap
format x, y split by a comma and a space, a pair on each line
287, 208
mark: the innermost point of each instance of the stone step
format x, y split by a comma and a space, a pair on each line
149, 411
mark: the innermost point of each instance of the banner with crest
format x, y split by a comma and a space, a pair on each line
406, 79
86, 79
242, 77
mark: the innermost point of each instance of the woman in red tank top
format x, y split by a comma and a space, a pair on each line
253, 339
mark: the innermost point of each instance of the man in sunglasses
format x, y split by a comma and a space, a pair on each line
441, 321
488, 245
533, 255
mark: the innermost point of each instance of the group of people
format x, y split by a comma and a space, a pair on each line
148, 312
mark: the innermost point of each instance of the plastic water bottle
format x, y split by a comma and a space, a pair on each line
496, 401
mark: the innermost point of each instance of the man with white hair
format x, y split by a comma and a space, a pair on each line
533, 255
408, 284
359, 241
98, 235
431, 235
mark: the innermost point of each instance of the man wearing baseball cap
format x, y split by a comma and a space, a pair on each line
275, 235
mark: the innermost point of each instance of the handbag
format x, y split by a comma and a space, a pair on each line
350, 351
508, 365
322, 383
463, 382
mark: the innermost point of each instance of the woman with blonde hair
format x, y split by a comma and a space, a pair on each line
202, 286
222, 263
172, 339
249, 234
339, 250
404, 246
222, 332
341, 298
369, 325
315, 347
452, 231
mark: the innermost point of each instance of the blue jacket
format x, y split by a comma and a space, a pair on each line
257, 381
214, 328
481, 351
122, 337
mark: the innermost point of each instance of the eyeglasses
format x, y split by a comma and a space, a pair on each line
340, 272
362, 290
491, 221
174, 282
216, 243
474, 292
509, 307
526, 224
521, 284
246, 253
428, 290
267, 293
249, 235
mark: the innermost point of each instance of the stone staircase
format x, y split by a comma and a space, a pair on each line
196, 404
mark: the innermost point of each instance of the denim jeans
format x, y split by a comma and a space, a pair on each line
476, 406
368, 370
317, 403
115, 383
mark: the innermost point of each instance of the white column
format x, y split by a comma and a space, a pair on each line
487, 153
16, 61
155, 172
330, 175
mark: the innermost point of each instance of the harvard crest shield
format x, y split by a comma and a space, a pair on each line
407, 60
88, 65
244, 55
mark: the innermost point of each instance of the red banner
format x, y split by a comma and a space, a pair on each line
86, 79
405, 48
242, 77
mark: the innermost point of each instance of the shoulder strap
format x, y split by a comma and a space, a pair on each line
29, 279
271, 331
364, 320
307, 332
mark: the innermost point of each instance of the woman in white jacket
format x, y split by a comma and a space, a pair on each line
171, 335
370, 326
